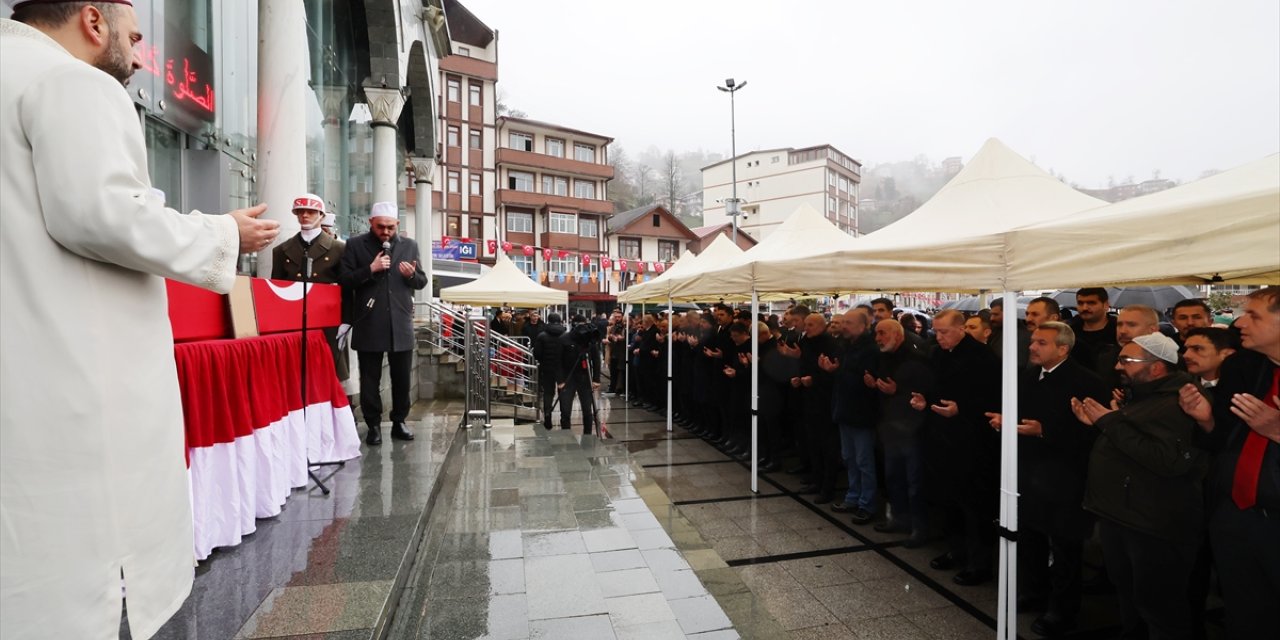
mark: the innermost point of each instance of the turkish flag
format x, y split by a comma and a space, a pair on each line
546, 253
466, 240
528, 250
659, 267
493, 246
506, 247
622, 264
605, 262
562, 254
444, 242
586, 259
640, 266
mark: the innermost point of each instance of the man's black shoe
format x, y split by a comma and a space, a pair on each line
546, 425
806, 489
375, 435
862, 516
943, 562
1052, 626
892, 526
400, 432
844, 507
969, 578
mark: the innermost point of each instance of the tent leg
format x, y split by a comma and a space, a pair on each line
1007, 612
670, 325
755, 394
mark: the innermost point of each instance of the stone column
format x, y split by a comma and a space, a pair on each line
283, 68
384, 106
333, 104
423, 171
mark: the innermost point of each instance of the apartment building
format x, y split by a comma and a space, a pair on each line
463, 188
552, 195
773, 183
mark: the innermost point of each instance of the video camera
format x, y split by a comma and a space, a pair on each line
584, 333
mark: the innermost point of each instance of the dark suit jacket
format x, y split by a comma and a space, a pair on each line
382, 303
1051, 469
289, 258
963, 452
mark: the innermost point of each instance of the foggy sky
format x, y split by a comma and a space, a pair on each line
1090, 89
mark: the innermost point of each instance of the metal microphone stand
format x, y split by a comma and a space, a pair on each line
306, 286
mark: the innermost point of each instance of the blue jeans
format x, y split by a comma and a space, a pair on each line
904, 473
858, 449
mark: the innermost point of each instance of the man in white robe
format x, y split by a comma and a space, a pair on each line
93, 484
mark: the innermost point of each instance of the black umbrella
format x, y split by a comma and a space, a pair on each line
1158, 298
971, 305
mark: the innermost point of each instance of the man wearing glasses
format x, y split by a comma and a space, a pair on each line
1145, 485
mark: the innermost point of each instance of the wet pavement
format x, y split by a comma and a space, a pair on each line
516, 532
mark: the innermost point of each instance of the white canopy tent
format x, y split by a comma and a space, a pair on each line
504, 284
656, 290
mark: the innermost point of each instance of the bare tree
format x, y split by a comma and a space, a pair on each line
673, 180
645, 184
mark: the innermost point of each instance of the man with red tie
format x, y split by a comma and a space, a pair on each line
1244, 482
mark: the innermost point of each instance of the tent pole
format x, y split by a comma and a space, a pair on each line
626, 361
1007, 612
755, 392
671, 321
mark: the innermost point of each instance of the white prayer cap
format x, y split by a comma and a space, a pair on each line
1160, 346
329, 220
309, 201
385, 210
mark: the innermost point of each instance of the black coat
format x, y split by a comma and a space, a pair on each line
816, 398
578, 356
898, 423
382, 303
1244, 372
852, 403
1052, 468
963, 451
548, 352
1144, 472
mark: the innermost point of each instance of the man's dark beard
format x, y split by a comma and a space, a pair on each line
117, 62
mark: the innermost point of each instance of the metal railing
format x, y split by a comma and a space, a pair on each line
513, 373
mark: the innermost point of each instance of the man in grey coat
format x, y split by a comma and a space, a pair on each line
381, 271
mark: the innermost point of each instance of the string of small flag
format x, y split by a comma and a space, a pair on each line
591, 263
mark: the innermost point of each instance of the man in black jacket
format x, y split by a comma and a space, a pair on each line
1053, 455
581, 365
962, 454
820, 437
1095, 329
380, 269
1145, 483
853, 408
548, 352
1244, 481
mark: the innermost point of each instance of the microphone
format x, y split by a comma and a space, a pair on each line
386, 246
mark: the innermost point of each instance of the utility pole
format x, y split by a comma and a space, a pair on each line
733, 206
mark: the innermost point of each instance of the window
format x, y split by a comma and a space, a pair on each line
520, 221
584, 152
475, 94
454, 136
454, 182
629, 248
774, 160
455, 90
831, 177
520, 181
521, 141
657, 220
844, 183
476, 139
476, 185
831, 204
463, 51
584, 189
588, 228
566, 264
668, 250
524, 263
557, 185
563, 223
554, 147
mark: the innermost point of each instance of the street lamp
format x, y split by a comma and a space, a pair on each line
733, 206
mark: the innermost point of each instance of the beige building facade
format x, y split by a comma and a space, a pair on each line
773, 183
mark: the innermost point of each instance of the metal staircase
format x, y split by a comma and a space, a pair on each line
513, 374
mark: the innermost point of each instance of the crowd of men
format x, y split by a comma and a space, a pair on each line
1163, 448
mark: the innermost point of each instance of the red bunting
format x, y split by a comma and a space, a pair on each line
528, 250
605, 262
506, 247
466, 240
493, 246
659, 267
546, 253
586, 260
640, 266
622, 264
444, 242
562, 254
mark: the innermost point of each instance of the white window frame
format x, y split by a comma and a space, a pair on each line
562, 223
523, 263
475, 94
567, 264
454, 89
546, 146
579, 146
559, 185
512, 136
453, 136
475, 136
586, 224
455, 182
515, 178
831, 204
520, 222
477, 185
580, 194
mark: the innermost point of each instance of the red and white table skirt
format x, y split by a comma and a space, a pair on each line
248, 442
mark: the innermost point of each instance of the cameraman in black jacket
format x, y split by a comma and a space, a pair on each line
581, 366
548, 352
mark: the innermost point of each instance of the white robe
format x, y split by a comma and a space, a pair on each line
93, 481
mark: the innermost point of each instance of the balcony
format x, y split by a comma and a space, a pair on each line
538, 200
552, 163
473, 67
